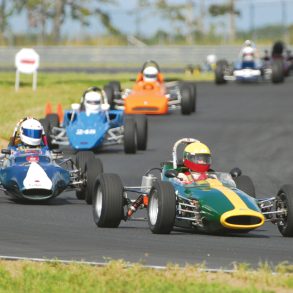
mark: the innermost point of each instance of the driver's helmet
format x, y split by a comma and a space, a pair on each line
30, 132
150, 74
248, 51
248, 43
197, 157
92, 101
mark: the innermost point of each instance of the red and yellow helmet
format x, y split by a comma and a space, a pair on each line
197, 157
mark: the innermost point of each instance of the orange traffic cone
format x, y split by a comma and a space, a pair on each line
48, 109
60, 113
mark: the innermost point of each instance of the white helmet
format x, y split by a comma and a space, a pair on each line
92, 101
150, 74
248, 43
211, 59
31, 131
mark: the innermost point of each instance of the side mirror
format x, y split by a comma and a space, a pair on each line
75, 106
235, 172
6, 151
171, 173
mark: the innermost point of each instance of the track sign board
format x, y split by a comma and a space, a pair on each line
27, 61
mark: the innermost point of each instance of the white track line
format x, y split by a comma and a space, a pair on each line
92, 263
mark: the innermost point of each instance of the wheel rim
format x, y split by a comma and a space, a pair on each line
154, 209
282, 205
99, 202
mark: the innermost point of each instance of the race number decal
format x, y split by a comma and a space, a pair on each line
85, 131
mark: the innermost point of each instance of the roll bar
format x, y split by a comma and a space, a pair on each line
177, 143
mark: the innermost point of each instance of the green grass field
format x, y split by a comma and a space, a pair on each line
64, 88
116, 277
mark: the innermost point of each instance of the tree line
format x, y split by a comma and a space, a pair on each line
45, 18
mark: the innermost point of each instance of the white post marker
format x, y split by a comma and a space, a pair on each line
27, 61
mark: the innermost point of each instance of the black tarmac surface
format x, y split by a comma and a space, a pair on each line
249, 126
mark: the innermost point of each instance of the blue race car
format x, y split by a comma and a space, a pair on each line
92, 124
39, 174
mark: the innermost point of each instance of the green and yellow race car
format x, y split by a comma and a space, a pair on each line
223, 202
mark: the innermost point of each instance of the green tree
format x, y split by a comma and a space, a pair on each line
226, 9
181, 16
7, 9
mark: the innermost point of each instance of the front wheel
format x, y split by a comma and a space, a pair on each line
284, 204
108, 201
162, 208
142, 131
245, 184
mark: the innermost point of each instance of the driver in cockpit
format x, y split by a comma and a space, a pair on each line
197, 160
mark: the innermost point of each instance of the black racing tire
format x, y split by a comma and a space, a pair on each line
277, 71
186, 99
245, 184
130, 135
194, 97
116, 86
162, 208
93, 168
108, 201
285, 200
220, 71
193, 90
142, 131
109, 91
53, 119
46, 123
81, 158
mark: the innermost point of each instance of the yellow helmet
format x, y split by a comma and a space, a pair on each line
197, 157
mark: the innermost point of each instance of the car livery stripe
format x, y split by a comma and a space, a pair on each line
240, 208
232, 196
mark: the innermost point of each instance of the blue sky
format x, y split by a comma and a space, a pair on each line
124, 14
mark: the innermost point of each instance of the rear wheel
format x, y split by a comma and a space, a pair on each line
53, 119
192, 86
220, 71
117, 88
109, 91
130, 136
277, 71
285, 203
94, 168
48, 123
186, 99
142, 131
245, 184
108, 201
81, 159
162, 208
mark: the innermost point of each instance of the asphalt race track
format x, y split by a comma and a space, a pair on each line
249, 126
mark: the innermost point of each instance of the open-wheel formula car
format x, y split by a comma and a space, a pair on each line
83, 131
39, 174
153, 97
224, 202
272, 68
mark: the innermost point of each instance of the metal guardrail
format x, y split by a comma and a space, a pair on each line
125, 56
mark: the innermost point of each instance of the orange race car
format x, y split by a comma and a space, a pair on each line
151, 94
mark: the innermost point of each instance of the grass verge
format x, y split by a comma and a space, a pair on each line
64, 88
24, 276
